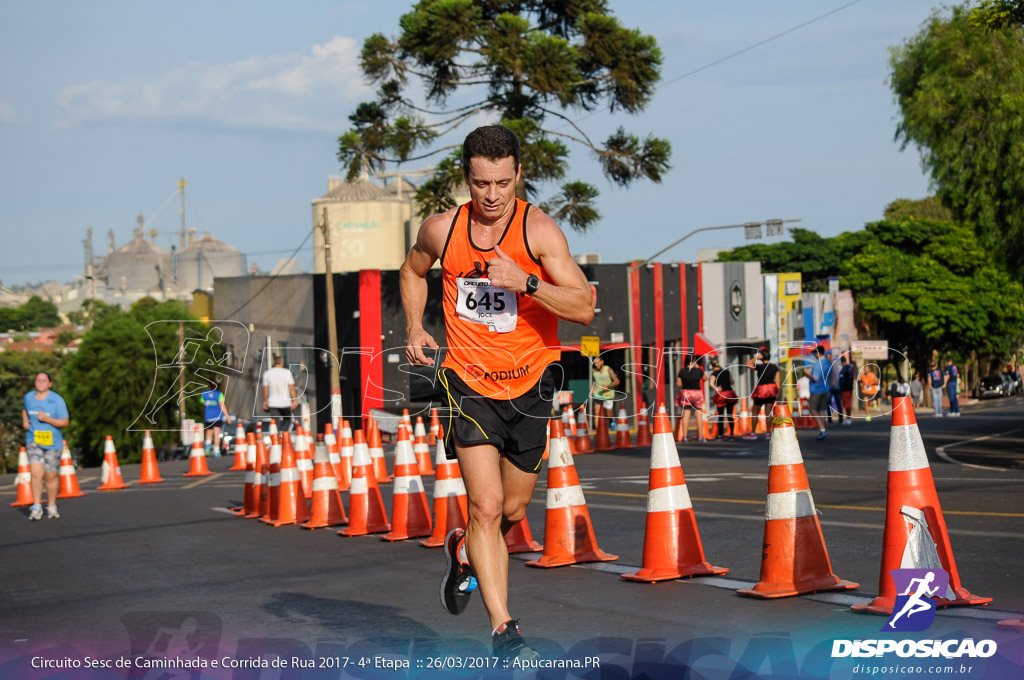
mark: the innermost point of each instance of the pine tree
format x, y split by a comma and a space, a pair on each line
537, 65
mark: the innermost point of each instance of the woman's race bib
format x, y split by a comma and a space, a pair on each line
479, 301
43, 437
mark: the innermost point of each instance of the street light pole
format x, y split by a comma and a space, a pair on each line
750, 226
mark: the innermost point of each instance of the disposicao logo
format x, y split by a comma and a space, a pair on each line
914, 611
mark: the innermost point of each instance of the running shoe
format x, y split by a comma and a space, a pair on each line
508, 643
36, 513
750, 436
51, 512
458, 582
822, 435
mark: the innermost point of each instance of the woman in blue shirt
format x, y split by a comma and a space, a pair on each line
44, 416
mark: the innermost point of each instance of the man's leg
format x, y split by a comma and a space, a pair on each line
497, 493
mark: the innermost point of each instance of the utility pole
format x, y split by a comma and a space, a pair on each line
332, 327
181, 378
181, 211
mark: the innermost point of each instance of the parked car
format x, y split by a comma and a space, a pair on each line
994, 386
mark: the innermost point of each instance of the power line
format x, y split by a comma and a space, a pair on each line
737, 53
271, 279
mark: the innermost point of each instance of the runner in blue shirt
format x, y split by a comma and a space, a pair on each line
214, 415
44, 416
935, 381
818, 372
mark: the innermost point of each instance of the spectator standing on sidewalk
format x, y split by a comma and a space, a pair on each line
935, 381
951, 380
917, 390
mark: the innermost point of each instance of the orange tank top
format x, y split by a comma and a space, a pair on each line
499, 341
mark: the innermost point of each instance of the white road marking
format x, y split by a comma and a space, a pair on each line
941, 451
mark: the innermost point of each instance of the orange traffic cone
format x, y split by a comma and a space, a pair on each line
742, 424
519, 539
291, 502
450, 510
250, 465
345, 457
197, 459
568, 533
410, 512
435, 427
582, 433
326, 509
794, 559
150, 473
602, 441
376, 449
365, 505
68, 478
110, 471
915, 534
259, 481
24, 481
241, 450
304, 464
421, 449
672, 546
272, 482
569, 428
623, 440
643, 428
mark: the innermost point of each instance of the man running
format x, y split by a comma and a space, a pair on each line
508, 277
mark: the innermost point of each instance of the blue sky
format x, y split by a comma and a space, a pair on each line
105, 104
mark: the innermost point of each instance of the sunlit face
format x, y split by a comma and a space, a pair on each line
492, 185
42, 382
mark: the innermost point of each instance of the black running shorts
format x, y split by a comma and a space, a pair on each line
516, 427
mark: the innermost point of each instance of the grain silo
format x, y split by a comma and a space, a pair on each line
367, 226
139, 266
205, 258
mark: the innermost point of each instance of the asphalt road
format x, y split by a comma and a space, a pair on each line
164, 569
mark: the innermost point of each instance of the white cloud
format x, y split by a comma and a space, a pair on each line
291, 91
7, 114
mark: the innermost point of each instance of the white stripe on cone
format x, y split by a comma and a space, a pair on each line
789, 505
906, 449
325, 483
669, 498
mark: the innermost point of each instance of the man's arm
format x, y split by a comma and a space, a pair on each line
413, 282
569, 296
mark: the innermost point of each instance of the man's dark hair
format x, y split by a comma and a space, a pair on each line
492, 142
278, 359
819, 350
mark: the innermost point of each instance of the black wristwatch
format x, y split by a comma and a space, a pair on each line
532, 284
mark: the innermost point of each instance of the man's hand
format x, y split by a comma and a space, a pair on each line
419, 339
503, 272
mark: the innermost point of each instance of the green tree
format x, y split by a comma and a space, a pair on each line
817, 258
923, 209
995, 14
35, 313
533, 63
960, 91
113, 378
928, 285
17, 377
